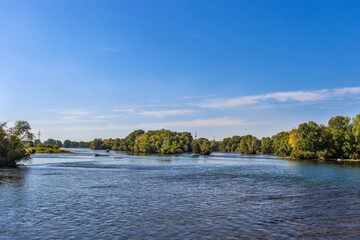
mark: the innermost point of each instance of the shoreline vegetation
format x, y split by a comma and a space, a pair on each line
47, 149
339, 140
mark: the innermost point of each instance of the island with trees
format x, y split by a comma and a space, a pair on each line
339, 139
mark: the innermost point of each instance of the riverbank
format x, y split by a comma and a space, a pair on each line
47, 150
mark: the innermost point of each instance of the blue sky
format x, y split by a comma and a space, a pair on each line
86, 69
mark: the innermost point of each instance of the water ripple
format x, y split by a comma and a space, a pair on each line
223, 196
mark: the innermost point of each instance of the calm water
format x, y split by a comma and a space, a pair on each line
223, 196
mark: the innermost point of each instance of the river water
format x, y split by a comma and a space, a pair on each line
222, 196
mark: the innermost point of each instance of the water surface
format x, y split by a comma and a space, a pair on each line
222, 196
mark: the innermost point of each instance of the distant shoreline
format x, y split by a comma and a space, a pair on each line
63, 151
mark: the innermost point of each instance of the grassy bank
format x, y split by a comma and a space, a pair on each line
46, 150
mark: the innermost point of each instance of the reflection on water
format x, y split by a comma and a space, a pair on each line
225, 195
12, 176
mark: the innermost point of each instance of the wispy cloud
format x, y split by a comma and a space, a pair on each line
64, 121
76, 112
123, 110
154, 113
89, 128
76, 116
214, 122
196, 97
106, 116
296, 96
347, 90
137, 107
72, 116
164, 113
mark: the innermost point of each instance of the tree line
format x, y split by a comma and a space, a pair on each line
340, 138
58, 143
158, 141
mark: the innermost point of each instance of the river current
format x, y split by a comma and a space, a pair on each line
221, 196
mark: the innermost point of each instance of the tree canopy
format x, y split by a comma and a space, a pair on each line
11, 146
339, 139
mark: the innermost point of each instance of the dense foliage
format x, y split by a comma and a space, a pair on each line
53, 142
202, 146
339, 139
246, 144
43, 148
12, 148
74, 144
159, 141
266, 145
163, 141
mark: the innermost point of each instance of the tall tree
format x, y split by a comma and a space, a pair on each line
11, 147
341, 130
356, 128
22, 131
266, 145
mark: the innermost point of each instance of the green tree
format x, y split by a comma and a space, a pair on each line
195, 147
58, 143
130, 139
12, 149
356, 134
307, 141
83, 144
342, 136
214, 145
281, 144
201, 146
266, 145
50, 141
97, 143
142, 144
36, 142
22, 129
230, 144
356, 128
248, 145
108, 143
161, 141
67, 143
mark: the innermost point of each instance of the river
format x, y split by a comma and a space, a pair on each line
221, 196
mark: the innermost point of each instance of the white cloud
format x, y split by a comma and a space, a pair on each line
300, 96
164, 113
154, 113
197, 96
76, 112
69, 116
348, 90
214, 122
297, 96
64, 121
106, 116
123, 110
88, 128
